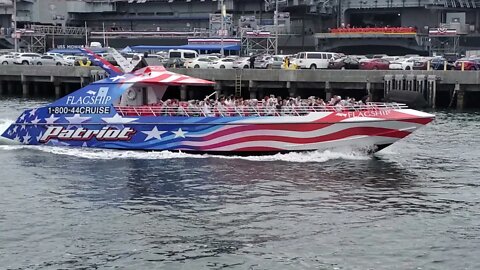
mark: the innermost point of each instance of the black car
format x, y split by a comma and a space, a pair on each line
174, 63
439, 63
344, 63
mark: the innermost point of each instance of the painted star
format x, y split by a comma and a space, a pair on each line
116, 78
179, 133
117, 119
26, 138
77, 119
15, 129
32, 112
36, 120
22, 118
154, 134
17, 139
85, 144
50, 120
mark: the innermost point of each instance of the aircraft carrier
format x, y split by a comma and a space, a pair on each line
441, 26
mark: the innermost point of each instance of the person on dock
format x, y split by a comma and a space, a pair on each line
252, 60
286, 62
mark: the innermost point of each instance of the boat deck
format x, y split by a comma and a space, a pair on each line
185, 109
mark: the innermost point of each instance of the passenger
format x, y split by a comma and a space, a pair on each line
206, 108
365, 99
230, 101
279, 104
221, 106
337, 100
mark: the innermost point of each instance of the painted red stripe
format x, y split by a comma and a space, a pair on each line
368, 131
258, 149
422, 121
161, 77
283, 127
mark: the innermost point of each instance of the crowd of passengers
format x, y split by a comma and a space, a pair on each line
231, 106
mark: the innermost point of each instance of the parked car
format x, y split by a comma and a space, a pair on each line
241, 63
54, 54
26, 58
200, 62
226, 63
314, 60
70, 60
404, 64
393, 58
436, 63
377, 63
421, 64
468, 64
7, 59
262, 61
174, 62
359, 58
344, 63
50, 60
212, 57
276, 61
441, 63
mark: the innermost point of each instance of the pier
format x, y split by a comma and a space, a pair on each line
460, 89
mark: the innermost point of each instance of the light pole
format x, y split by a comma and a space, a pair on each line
222, 14
275, 21
14, 19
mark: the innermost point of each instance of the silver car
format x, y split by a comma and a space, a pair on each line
241, 63
26, 58
50, 60
7, 59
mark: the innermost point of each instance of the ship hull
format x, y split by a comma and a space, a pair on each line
223, 135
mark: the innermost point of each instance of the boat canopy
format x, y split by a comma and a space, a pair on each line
106, 91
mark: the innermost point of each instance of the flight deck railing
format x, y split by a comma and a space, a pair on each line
187, 110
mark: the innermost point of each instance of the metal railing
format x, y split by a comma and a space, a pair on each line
184, 109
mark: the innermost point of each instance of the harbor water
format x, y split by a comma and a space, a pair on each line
414, 205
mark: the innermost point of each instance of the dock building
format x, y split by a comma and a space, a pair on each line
356, 27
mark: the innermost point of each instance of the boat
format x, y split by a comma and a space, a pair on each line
126, 111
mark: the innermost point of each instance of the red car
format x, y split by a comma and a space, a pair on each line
377, 63
468, 64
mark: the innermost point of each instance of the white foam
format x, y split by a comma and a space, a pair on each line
304, 157
107, 154
4, 124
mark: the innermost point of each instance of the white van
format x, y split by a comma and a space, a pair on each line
182, 54
314, 60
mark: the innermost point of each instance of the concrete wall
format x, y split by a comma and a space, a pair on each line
355, 83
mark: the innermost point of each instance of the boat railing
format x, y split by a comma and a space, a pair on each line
185, 109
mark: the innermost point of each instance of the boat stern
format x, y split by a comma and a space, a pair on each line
25, 130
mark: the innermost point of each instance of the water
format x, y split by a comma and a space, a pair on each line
412, 206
